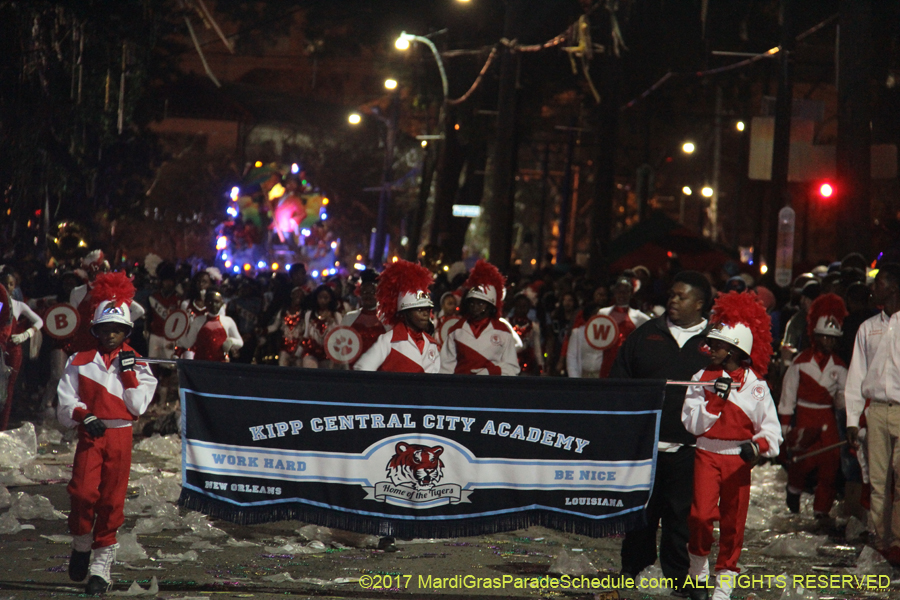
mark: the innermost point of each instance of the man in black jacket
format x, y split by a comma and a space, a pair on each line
668, 347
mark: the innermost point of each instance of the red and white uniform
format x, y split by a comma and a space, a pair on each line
582, 360
367, 324
160, 307
13, 346
813, 388
92, 383
291, 333
211, 338
483, 347
721, 477
314, 332
439, 326
402, 350
531, 357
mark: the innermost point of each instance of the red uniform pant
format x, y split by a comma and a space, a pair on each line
99, 484
825, 464
721, 490
14, 354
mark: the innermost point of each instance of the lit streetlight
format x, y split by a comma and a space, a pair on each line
739, 125
688, 147
406, 39
687, 191
707, 191
354, 118
390, 84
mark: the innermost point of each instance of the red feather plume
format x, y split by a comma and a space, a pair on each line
484, 273
399, 278
746, 308
111, 286
826, 305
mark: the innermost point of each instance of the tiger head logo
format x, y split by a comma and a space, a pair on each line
416, 466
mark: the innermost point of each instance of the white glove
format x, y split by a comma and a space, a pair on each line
20, 338
227, 344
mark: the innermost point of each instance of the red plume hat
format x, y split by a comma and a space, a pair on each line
486, 283
740, 319
401, 286
112, 286
826, 316
111, 297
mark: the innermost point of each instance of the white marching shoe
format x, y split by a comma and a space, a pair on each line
102, 561
725, 581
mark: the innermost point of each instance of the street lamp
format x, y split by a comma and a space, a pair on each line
688, 147
354, 118
403, 43
390, 84
707, 191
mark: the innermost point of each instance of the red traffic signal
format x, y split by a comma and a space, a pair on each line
826, 190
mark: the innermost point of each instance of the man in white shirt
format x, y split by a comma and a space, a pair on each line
874, 375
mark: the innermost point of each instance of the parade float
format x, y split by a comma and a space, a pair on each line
275, 218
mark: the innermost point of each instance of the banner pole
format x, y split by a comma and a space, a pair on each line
156, 361
172, 361
700, 383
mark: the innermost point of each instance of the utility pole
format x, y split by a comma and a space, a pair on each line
545, 193
717, 169
506, 148
854, 140
384, 198
565, 203
606, 126
781, 143
415, 230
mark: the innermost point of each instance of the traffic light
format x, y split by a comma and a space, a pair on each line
825, 189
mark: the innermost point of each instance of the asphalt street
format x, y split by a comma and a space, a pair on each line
169, 552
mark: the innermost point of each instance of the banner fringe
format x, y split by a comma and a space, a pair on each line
450, 528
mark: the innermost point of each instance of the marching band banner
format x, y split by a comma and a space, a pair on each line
417, 455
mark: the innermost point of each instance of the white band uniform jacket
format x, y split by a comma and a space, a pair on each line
396, 351
582, 357
813, 386
489, 351
749, 413
88, 386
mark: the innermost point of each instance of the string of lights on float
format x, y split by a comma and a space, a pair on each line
273, 221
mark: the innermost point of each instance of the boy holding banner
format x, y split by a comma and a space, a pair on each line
734, 427
102, 392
